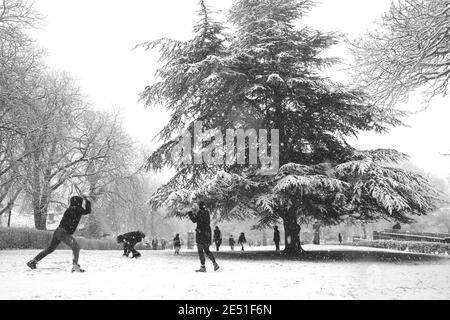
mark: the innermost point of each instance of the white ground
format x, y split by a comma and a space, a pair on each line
161, 275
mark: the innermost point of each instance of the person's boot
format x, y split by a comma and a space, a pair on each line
216, 266
77, 268
32, 264
202, 269
136, 255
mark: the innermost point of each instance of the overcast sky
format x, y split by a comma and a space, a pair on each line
93, 40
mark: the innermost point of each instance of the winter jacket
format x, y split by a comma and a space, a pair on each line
242, 239
73, 214
176, 242
217, 235
203, 230
231, 241
276, 236
132, 237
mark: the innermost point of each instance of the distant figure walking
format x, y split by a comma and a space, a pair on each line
232, 242
276, 238
64, 232
340, 238
177, 244
155, 244
217, 238
203, 235
129, 240
163, 244
242, 240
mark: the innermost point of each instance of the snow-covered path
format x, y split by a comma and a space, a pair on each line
161, 275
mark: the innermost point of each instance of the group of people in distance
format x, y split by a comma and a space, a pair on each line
217, 239
80, 206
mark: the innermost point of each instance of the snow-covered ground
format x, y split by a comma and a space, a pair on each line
161, 275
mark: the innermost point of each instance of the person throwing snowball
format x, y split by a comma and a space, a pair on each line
64, 232
203, 235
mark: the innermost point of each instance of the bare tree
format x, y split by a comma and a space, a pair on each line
68, 141
410, 50
20, 61
15, 16
118, 166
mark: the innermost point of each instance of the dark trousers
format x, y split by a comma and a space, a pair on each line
202, 250
61, 235
218, 242
277, 246
129, 247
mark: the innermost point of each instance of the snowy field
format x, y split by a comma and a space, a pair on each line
161, 275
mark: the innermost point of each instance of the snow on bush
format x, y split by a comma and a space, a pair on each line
408, 246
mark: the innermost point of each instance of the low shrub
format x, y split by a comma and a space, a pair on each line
410, 246
22, 238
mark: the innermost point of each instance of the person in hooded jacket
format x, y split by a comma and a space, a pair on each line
129, 240
217, 238
177, 244
242, 240
276, 238
203, 235
64, 233
232, 242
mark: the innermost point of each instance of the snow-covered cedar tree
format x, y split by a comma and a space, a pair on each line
268, 75
367, 186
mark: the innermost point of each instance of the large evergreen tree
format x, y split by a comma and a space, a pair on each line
268, 75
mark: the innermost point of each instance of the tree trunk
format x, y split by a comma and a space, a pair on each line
93, 226
292, 234
152, 223
39, 197
40, 208
9, 217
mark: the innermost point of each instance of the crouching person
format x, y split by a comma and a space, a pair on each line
64, 232
129, 240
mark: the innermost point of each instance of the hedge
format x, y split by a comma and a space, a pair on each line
411, 246
23, 238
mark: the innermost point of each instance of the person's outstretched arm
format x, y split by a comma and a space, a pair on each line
87, 210
192, 216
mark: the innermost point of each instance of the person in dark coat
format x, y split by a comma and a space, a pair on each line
340, 238
242, 240
232, 242
217, 237
129, 240
276, 238
177, 244
64, 233
203, 235
155, 244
